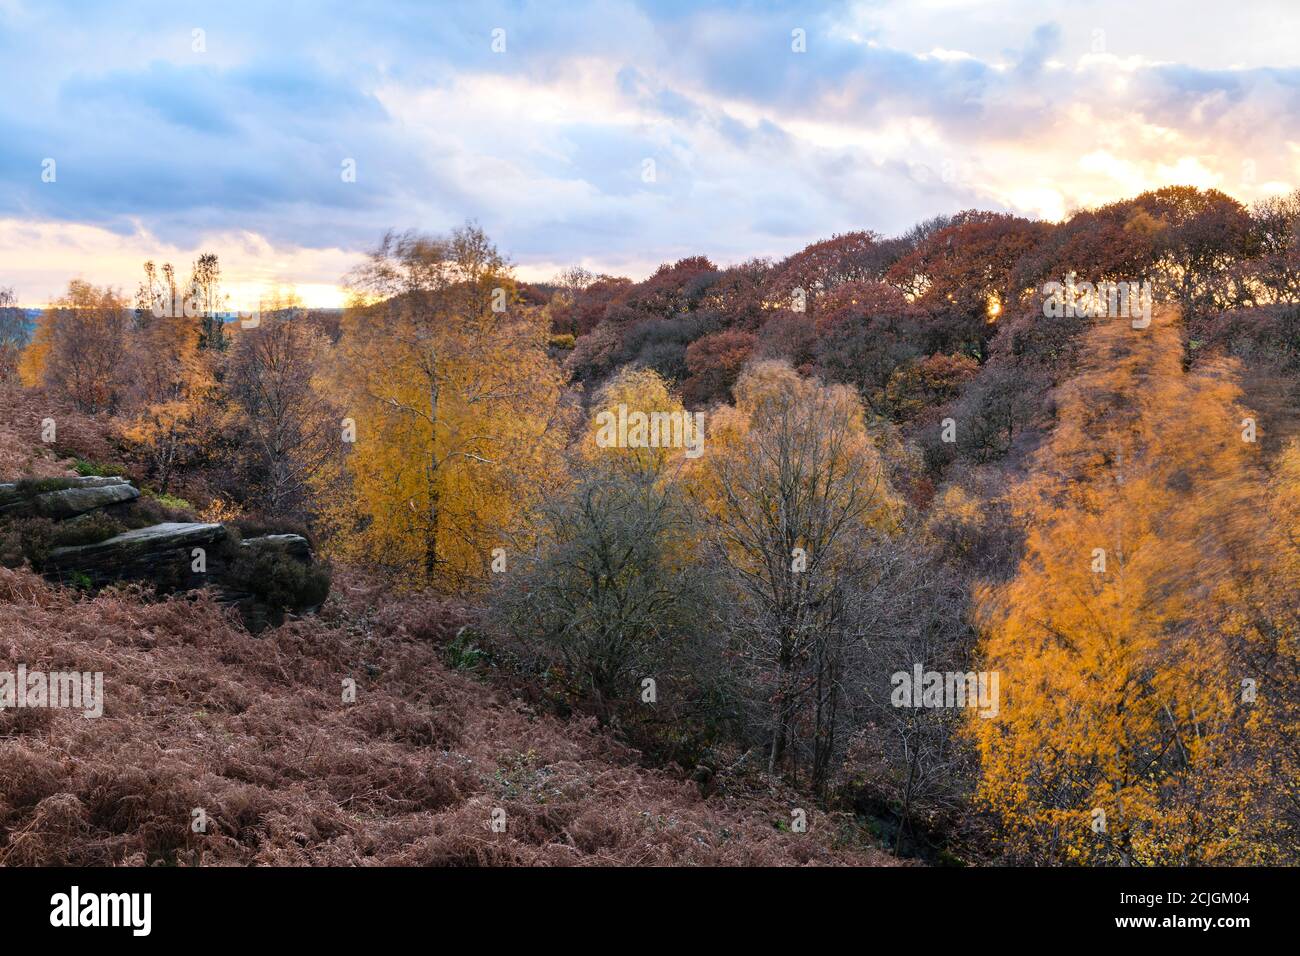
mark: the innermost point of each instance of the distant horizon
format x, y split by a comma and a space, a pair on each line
612, 135
243, 289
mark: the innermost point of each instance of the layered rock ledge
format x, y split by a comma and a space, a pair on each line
263, 575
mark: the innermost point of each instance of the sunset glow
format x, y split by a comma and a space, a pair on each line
1037, 109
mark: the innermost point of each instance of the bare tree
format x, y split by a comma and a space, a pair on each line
608, 593
573, 280
156, 295
289, 424
911, 762
791, 500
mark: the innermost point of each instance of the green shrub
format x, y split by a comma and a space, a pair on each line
94, 469
146, 511
564, 341
464, 653
170, 501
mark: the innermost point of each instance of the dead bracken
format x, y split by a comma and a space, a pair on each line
200, 714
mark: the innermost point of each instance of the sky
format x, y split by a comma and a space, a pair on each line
616, 135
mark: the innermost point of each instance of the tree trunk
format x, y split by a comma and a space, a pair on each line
782, 712
431, 531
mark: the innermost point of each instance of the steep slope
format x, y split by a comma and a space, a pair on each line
254, 732
204, 722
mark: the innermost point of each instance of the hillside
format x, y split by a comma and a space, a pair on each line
199, 714
965, 555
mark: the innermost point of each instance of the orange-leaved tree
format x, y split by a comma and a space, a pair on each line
80, 347
452, 400
1117, 704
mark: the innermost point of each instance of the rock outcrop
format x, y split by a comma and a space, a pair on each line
157, 552
80, 496
263, 575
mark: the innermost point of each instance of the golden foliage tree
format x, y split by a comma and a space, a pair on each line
1254, 608
1118, 704
657, 449
171, 379
80, 346
454, 400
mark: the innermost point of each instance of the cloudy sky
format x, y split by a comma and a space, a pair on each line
612, 134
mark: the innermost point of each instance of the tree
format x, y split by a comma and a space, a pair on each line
658, 455
736, 295
609, 593
790, 487
1200, 237
866, 330
1276, 236
1254, 610
1116, 706
963, 273
928, 383
172, 381
715, 362
157, 295
788, 337
591, 303
613, 592
290, 429
992, 412
1116, 243
914, 763
858, 257
207, 299
455, 405
566, 288
80, 347
170, 384
671, 291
